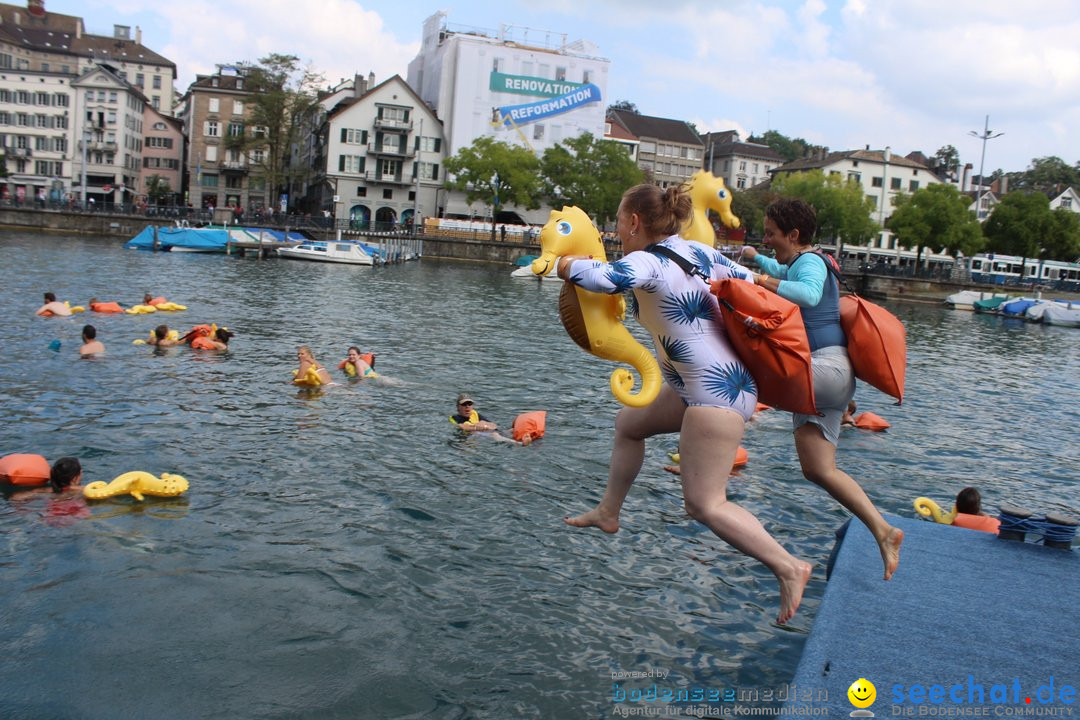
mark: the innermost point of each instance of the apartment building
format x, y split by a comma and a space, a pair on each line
162, 158
669, 151
108, 136
224, 167
379, 159
742, 164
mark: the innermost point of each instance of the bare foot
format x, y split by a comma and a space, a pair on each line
673, 469
792, 584
890, 550
594, 518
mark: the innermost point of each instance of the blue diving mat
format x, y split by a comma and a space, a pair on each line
969, 625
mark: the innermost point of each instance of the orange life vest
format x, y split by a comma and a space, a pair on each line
106, 307
985, 523
24, 469
202, 342
532, 423
369, 358
196, 332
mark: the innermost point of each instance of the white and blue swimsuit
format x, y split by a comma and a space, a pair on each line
683, 318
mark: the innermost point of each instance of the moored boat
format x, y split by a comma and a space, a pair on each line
335, 251
180, 239
965, 299
1066, 315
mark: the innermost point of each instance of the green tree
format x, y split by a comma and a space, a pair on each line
1062, 242
1046, 174
282, 94
787, 148
843, 208
496, 174
589, 173
936, 217
1019, 223
948, 157
749, 206
157, 189
624, 105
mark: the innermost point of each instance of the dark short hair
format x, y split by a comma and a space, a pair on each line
49, 297
224, 335
89, 332
63, 472
969, 501
353, 347
161, 332
794, 214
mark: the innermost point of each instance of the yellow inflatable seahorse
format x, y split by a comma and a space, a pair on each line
707, 192
594, 320
928, 508
137, 483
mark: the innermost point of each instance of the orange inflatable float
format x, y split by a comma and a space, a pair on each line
984, 523
530, 423
106, 307
870, 421
24, 470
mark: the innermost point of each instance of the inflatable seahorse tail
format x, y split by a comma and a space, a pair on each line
622, 380
928, 508
120, 485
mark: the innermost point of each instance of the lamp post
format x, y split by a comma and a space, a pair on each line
886, 156
984, 136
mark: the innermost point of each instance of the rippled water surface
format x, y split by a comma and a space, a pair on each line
346, 555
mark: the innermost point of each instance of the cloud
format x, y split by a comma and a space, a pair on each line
339, 39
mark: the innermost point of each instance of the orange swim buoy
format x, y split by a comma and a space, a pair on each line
741, 457
106, 307
984, 523
532, 423
24, 470
870, 421
203, 343
157, 301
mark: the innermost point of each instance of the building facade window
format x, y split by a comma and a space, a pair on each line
157, 82
877, 182
213, 105
211, 129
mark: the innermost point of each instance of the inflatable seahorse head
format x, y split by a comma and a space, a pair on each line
707, 192
567, 232
137, 484
594, 320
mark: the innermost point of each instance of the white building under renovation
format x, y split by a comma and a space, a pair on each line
521, 86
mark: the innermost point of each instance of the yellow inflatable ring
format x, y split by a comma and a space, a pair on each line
170, 306
171, 335
137, 484
140, 309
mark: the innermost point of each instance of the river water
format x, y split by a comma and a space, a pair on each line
346, 555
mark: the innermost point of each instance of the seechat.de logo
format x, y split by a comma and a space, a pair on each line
862, 694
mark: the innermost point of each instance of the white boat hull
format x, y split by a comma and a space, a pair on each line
526, 273
341, 253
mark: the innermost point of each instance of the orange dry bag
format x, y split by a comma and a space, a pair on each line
106, 307
532, 423
24, 469
203, 343
767, 333
985, 523
877, 341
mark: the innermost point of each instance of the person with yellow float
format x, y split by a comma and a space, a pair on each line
469, 421
358, 365
707, 395
310, 373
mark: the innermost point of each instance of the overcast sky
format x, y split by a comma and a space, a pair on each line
909, 74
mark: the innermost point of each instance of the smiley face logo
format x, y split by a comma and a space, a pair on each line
862, 693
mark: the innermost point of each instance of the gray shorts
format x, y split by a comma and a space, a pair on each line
834, 386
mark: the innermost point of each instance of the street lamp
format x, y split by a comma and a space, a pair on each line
85, 142
984, 136
886, 156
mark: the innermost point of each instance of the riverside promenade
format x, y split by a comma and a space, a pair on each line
882, 283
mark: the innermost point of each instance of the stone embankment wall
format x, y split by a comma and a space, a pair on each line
462, 246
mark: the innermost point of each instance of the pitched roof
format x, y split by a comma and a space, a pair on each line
745, 149
102, 47
51, 32
345, 104
618, 132
874, 156
111, 73
647, 126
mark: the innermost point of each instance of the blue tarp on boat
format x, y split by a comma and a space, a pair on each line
275, 235
199, 239
1016, 307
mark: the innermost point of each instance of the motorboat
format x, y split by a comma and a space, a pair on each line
966, 299
180, 239
1064, 314
524, 269
335, 251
